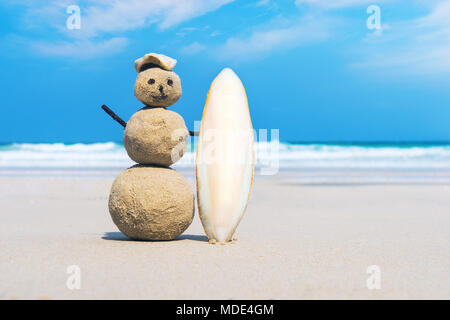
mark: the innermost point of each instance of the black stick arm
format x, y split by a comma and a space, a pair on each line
113, 115
124, 124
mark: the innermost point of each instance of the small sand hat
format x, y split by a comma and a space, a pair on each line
155, 59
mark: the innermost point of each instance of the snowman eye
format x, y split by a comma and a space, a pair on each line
169, 82
151, 81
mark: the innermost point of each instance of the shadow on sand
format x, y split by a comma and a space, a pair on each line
119, 236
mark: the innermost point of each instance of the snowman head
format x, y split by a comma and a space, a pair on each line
156, 84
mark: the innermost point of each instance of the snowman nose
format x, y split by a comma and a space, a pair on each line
161, 89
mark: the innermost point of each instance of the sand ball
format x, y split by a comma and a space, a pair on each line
157, 87
155, 136
151, 203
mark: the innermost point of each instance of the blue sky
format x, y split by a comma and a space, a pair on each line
311, 68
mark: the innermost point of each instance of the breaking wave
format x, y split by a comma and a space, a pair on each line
285, 155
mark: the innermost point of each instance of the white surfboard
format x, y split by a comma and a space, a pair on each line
225, 157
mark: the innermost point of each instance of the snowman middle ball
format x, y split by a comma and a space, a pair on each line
155, 136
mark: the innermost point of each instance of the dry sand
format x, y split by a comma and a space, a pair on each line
295, 242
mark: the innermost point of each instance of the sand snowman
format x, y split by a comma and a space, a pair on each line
151, 201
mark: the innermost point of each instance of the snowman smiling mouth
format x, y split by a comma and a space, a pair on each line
162, 96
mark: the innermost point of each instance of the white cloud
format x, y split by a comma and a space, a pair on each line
439, 16
261, 43
192, 48
102, 21
123, 15
262, 3
215, 33
334, 4
81, 49
416, 46
188, 30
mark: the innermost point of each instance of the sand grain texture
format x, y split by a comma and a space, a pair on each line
155, 136
151, 203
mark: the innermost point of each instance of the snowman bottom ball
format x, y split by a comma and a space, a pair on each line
151, 203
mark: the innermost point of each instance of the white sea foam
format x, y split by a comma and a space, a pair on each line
113, 155
364, 156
